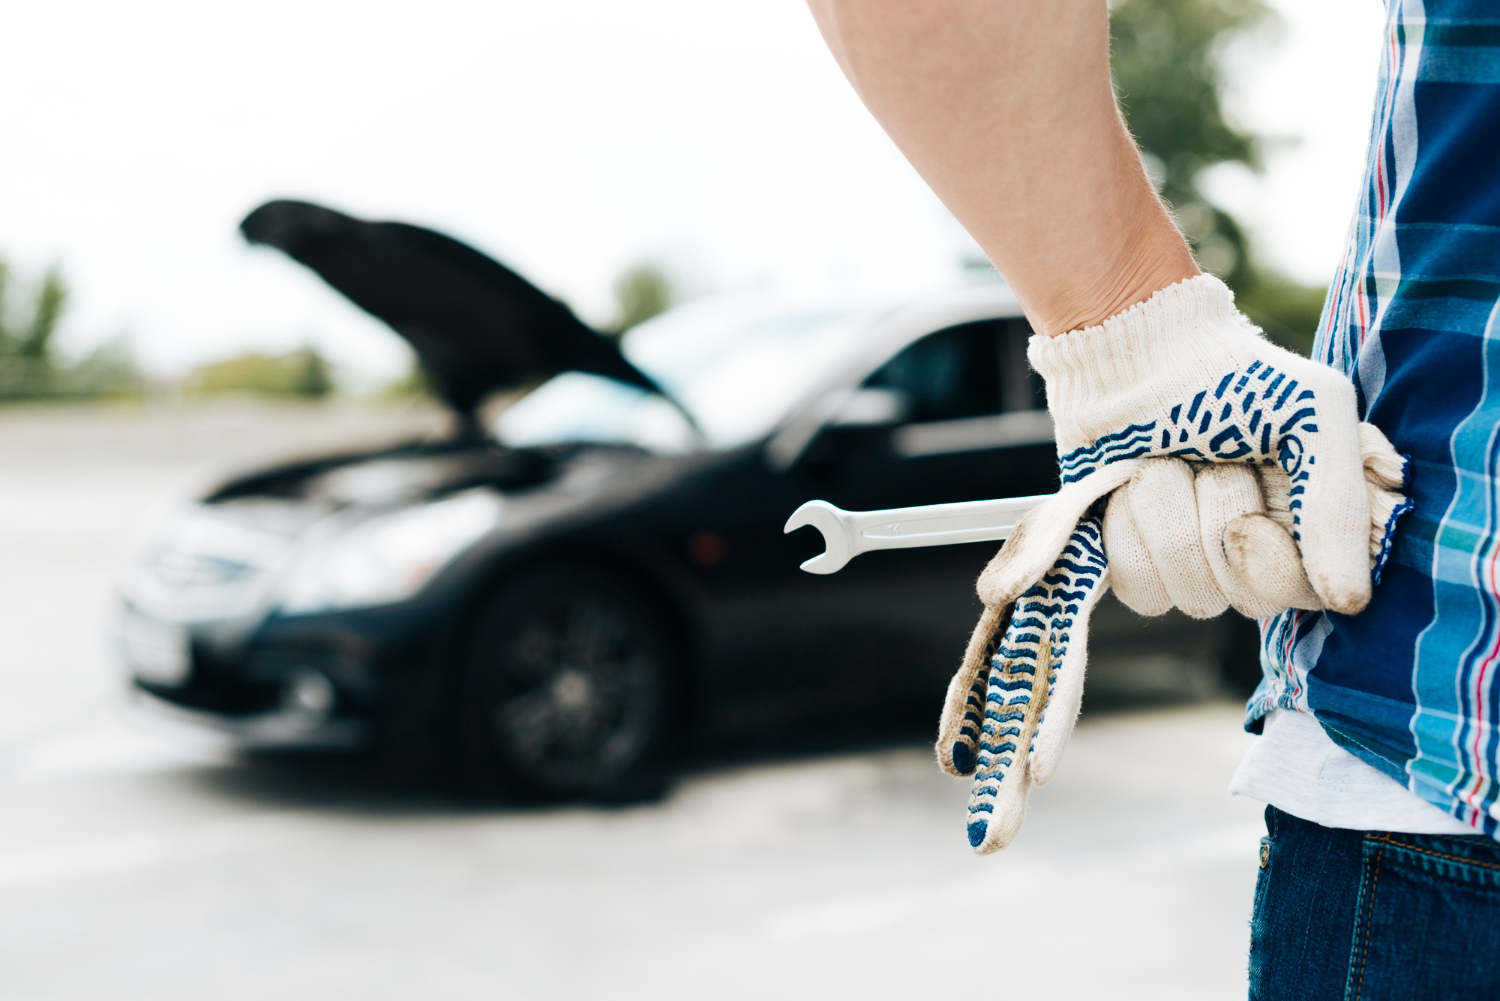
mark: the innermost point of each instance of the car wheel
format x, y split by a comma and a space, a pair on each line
570, 690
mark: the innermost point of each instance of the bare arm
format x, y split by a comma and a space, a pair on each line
1005, 108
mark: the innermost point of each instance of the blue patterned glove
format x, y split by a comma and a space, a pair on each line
1011, 707
1185, 375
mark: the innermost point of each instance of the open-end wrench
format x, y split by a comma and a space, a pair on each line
846, 534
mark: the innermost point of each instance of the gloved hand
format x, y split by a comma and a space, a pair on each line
1185, 375
1012, 705
1021, 681
1203, 537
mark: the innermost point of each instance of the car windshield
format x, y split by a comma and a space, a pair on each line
737, 369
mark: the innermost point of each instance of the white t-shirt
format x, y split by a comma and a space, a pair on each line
1296, 767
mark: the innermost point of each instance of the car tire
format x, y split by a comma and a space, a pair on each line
571, 689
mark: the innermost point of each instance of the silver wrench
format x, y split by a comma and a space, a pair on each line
846, 534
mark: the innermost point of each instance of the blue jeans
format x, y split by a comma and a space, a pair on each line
1370, 915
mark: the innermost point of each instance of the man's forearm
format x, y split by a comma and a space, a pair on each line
1006, 109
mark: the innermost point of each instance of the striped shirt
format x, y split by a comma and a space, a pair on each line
1411, 686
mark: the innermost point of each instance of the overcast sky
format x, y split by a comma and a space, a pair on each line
568, 138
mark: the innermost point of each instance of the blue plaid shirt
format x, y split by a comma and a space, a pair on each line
1412, 684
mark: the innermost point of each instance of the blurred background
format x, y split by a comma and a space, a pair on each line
625, 159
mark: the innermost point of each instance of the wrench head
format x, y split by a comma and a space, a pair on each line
829, 522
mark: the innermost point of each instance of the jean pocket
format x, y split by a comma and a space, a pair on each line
1427, 922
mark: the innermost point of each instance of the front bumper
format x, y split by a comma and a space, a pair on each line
258, 689
275, 728
288, 679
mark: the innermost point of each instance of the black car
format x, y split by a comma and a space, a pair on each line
560, 602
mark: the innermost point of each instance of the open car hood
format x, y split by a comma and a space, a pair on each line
476, 325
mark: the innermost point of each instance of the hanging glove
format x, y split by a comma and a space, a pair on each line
1202, 537
1012, 705
1185, 375
1027, 655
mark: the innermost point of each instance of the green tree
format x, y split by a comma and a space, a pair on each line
27, 365
36, 338
30, 365
1169, 75
297, 373
642, 292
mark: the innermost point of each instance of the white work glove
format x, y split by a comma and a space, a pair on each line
1193, 535
1175, 533
1185, 375
1205, 537
1012, 705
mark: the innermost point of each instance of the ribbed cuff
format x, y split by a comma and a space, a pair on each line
1136, 343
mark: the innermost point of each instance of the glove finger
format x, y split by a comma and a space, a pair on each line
1275, 493
1264, 557
963, 707
1386, 508
1013, 701
1069, 654
1021, 677
1165, 509
1387, 473
1132, 575
1385, 467
997, 807
1319, 448
1225, 493
1033, 547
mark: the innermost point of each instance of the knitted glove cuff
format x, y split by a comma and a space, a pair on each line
1168, 330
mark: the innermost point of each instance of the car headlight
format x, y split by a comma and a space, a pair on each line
387, 558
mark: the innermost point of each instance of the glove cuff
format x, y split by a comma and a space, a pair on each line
1168, 330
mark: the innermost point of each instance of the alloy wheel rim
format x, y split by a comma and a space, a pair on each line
580, 691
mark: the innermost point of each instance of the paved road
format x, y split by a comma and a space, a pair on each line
141, 858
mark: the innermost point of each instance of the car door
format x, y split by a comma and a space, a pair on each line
974, 426
954, 416
971, 423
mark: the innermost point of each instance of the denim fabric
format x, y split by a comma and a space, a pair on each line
1372, 915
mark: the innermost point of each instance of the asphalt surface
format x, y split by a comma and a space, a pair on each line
144, 858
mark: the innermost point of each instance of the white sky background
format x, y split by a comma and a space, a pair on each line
569, 139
